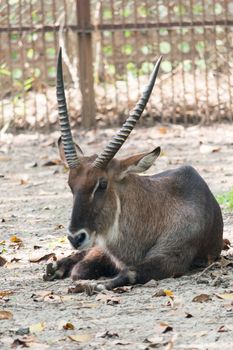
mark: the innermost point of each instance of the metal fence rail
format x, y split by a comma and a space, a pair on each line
109, 49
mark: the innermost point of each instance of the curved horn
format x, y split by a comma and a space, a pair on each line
66, 136
115, 144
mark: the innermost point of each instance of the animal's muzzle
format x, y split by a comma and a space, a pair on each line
78, 239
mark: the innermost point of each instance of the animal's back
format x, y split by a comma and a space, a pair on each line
198, 224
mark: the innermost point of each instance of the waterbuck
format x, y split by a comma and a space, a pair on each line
128, 227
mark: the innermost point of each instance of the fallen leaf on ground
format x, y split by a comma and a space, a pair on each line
68, 326
78, 288
5, 293
163, 293
108, 298
24, 180
206, 149
58, 227
225, 296
38, 327
223, 329
163, 327
226, 244
122, 342
46, 295
36, 258
15, 239
41, 294
201, 298
28, 341
188, 315
123, 289
107, 334
87, 305
15, 259
162, 130
23, 341
6, 315
3, 261
37, 247
31, 165
52, 162
81, 338
155, 340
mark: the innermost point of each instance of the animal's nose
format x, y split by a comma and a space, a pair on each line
78, 238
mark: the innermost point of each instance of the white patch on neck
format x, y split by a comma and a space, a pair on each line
113, 233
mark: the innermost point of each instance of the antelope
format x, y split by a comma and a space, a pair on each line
132, 228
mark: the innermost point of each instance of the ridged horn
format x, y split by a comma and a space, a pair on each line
117, 141
66, 135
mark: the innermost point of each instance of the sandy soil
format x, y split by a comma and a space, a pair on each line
35, 205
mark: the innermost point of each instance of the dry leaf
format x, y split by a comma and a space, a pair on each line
84, 305
5, 293
108, 298
155, 340
168, 293
201, 298
163, 293
162, 130
6, 315
15, 259
38, 327
23, 341
226, 244
206, 149
58, 227
45, 295
225, 296
36, 258
68, 326
123, 289
15, 239
223, 329
163, 327
81, 338
24, 181
188, 315
78, 288
28, 341
52, 162
107, 334
3, 261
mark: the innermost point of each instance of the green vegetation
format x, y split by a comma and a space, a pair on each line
226, 199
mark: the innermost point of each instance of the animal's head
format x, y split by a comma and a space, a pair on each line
94, 180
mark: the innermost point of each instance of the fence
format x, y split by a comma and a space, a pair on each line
109, 48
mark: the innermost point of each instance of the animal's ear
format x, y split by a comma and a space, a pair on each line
62, 153
138, 163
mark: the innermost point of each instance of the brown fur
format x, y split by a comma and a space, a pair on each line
142, 227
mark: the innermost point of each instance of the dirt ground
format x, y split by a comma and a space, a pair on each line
35, 205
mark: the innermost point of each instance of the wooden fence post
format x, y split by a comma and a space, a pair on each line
86, 63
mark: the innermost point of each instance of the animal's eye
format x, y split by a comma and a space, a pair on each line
103, 183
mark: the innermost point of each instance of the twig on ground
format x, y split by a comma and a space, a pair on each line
209, 267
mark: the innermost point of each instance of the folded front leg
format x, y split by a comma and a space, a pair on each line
96, 263
62, 268
153, 266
